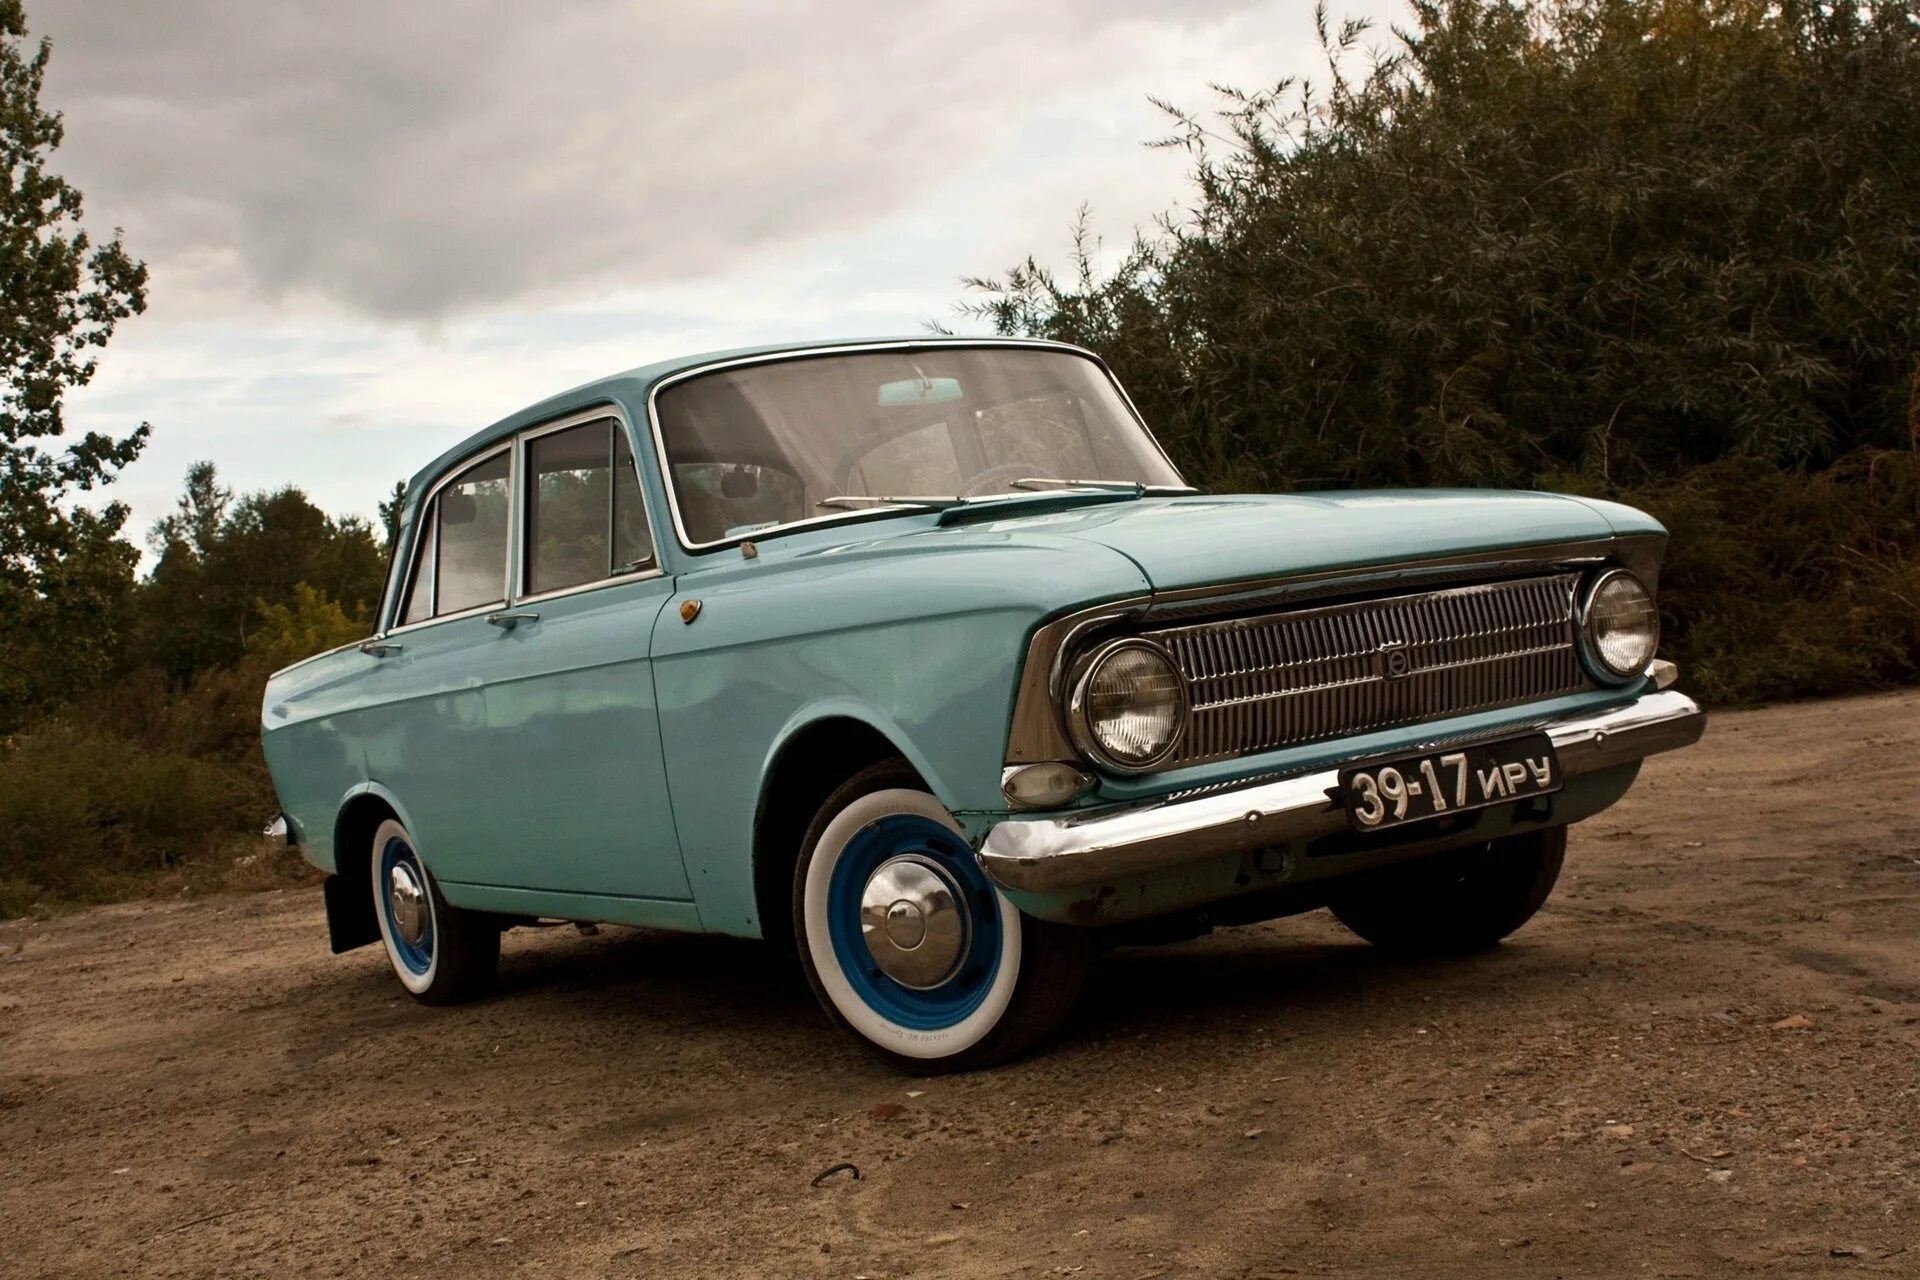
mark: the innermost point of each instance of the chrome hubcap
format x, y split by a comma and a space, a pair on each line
914, 920
408, 900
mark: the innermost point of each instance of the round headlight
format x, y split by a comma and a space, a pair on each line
1130, 706
1620, 624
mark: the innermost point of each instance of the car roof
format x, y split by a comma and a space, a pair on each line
633, 386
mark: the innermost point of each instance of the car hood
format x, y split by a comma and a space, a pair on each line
1203, 540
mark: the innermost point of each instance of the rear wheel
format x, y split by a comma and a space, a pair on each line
440, 953
906, 943
1457, 902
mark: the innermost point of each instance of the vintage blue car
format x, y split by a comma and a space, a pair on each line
918, 659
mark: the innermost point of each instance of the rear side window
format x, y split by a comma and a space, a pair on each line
585, 521
419, 606
470, 559
465, 551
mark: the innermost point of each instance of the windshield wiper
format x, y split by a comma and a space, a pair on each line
1041, 483
853, 502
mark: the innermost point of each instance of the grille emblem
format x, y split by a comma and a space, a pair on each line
1393, 662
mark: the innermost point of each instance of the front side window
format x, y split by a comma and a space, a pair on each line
779, 442
585, 519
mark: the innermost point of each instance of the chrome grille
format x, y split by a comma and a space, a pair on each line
1282, 679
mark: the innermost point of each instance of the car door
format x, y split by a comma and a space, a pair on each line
577, 786
424, 720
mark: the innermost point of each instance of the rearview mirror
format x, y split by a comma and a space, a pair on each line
911, 391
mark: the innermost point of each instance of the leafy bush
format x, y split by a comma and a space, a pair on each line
1781, 584
1666, 251
89, 815
310, 623
146, 786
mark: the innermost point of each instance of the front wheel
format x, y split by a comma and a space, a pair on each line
1455, 902
906, 943
441, 954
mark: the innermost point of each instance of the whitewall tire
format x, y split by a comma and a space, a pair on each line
440, 953
907, 944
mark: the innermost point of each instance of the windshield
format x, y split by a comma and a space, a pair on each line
769, 444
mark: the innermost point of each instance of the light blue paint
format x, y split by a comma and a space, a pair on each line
606, 761
919, 635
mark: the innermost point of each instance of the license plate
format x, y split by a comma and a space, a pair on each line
1416, 788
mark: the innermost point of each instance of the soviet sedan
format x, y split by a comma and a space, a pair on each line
919, 659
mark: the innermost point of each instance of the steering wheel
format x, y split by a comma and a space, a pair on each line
996, 479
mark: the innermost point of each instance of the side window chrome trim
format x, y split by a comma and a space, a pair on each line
514, 568
638, 575
492, 606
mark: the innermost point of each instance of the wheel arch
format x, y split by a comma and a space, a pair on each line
350, 911
809, 761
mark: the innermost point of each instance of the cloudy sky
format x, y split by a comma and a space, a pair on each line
375, 227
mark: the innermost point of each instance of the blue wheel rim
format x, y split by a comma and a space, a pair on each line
416, 957
951, 1002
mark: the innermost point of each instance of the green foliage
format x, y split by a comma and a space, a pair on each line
390, 512
310, 624
149, 774
222, 556
120, 771
136, 787
1661, 250
61, 570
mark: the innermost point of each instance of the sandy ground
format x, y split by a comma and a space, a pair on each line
1701, 1059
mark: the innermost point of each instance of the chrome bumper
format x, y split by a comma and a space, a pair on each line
1040, 855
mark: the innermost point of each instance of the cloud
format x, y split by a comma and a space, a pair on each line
428, 160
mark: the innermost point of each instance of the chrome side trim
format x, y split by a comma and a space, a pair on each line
863, 348
581, 588
1039, 855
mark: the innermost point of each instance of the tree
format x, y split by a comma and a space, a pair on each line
198, 515
61, 296
224, 559
1662, 250
307, 624
390, 512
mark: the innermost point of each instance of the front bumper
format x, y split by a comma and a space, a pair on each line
1044, 855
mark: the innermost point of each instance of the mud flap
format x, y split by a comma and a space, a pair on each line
350, 921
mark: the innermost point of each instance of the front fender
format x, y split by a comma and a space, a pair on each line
920, 639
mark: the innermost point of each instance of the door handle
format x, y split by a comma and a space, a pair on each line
512, 618
379, 648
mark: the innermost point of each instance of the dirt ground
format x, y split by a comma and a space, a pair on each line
1703, 1058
